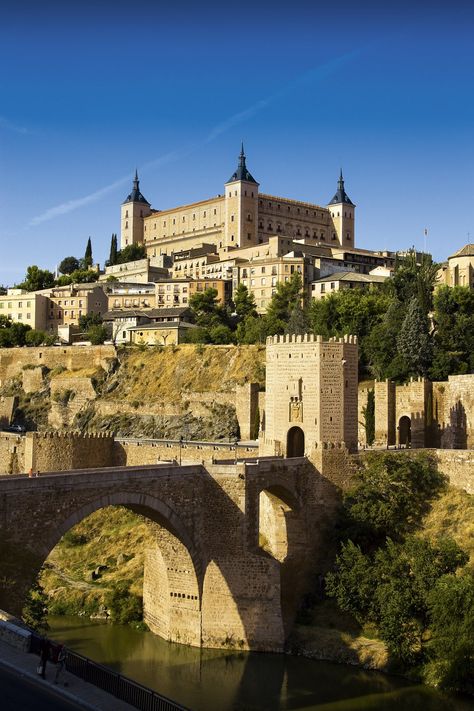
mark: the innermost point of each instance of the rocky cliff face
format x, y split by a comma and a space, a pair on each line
186, 390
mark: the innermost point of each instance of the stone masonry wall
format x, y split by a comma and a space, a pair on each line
139, 453
7, 408
13, 360
458, 466
63, 451
12, 453
68, 396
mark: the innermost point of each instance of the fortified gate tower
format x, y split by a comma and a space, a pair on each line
311, 395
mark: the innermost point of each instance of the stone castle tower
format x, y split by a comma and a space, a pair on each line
311, 394
241, 207
135, 208
342, 211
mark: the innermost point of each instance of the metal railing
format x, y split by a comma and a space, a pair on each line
123, 688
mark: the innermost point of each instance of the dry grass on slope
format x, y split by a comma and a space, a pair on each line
452, 514
165, 373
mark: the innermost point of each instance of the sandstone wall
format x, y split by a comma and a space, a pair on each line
62, 451
133, 454
456, 413
33, 378
458, 466
363, 392
13, 360
12, 453
7, 407
68, 396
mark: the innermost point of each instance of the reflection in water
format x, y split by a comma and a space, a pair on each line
215, 680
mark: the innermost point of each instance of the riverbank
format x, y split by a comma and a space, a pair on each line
221, 680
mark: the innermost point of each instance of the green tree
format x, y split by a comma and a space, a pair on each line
88, 254
298, 322
97, 334
253, 329
369, 418
414, 342
451, 647
244, 303
454, 332
35, 610
37, 279
113, 255
415, 279
283, 301
69, 265
131, 253
88, 320
368, 586
389, 496
35, 338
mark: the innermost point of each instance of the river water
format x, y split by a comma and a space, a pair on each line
216, 680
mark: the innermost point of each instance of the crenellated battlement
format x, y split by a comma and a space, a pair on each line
308, 338
70, 435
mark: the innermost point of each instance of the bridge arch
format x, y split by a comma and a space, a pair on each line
282, 535
172, 589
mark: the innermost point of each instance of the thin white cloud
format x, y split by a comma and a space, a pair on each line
310, 76
11, 126
71, 205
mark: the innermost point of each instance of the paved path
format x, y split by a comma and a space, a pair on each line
23, 690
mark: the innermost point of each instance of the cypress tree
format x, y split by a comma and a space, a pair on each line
369, 417
88, 255
113, 250
414, 341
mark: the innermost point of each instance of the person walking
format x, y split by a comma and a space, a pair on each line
45, 650
60, 661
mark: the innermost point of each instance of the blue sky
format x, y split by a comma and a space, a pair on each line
91, 90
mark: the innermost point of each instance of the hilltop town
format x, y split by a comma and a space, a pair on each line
240, 243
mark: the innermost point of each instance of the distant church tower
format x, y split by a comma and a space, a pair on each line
241, 207
134, 208
342, 211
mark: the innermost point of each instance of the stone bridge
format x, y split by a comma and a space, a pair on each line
236, 544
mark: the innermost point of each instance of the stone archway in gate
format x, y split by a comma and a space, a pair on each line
295, 442
404, 431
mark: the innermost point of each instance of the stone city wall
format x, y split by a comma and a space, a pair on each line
458, 465
139, 453
33, 378
12, 453
13, 360
7, 407
63, 451
68, 396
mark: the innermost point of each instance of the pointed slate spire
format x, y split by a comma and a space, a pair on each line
135, 195
341, 196
242, 173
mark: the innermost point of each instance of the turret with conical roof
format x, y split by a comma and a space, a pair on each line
135, 195
341, 197
242, 173
342, 211
241, 207
134, 208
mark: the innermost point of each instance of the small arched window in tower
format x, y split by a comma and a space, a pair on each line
334, 235
126, 225
126, 213
270, 227
348, 236
249, 217
141, 213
